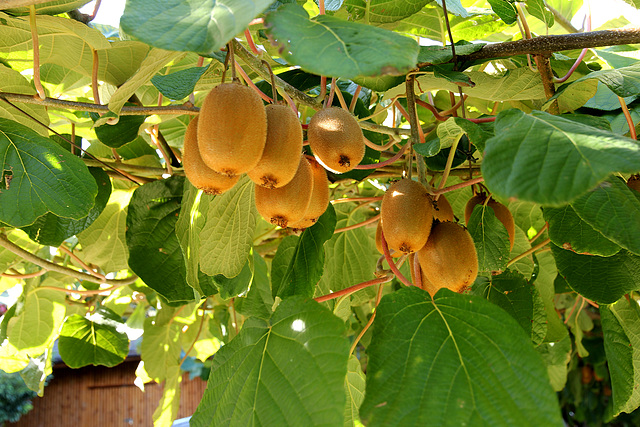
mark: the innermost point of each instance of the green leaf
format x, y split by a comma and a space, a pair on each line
452, 361
53, 7
180, 84
623, 81
349, 256
600, 279
258, 302
435, 55
202, 26
119, 134
511, 292
491, 239
567, 230
455, 7
557, 357
36, 324
620, 326
451, 130
52, 230
505, 9
238, 285
192, 217
154, 250
612, 209
606, 100
167, 410
92, 340
354, 385
252, 381
393, 10
305, 267
551, 160
160, 348
42, 176
104, 242
36, 372
538, 9
329, 46
12, 81
227, 235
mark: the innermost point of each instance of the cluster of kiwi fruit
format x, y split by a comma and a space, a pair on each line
236, 134
413, 221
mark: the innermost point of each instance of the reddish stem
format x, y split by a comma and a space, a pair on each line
417, 272
627, 115
573, 67
459, 186
354, 100
250, 42
392, 265
248, 81
433, 109
356, 199
354, 288
483, 120
386, 162
358, 225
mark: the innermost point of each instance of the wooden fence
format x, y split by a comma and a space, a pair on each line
104, 397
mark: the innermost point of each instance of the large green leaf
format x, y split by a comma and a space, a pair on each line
354, 385
454, 360
613, 210
551, 160
289, 371
569, 231
393, 10
192, 217
154, 250
505, 9
37, 323
515, 295
202, 26
52, 7
623, 81
39, 176
52, 230
306, 263
333, 47
538, 9
227, 234
621, 329
12, 81
167, 410
491, 239
160, 348
104, 242
600, 279
92, 340
557, 356
258, 302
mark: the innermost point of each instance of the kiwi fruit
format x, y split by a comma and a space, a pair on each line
287, 204
336, 139
394, 254
406, 213
634, 182
442, 210
319, 197
232, 129
501, 212
448, 259
197, 172
279, 160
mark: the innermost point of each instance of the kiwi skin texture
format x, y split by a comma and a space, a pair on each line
448, 259
279, 160
287, 204
336, 139
634, 182
501, 212
199, 174
442, 210
394, 254
406, 214
232, 129
319, 197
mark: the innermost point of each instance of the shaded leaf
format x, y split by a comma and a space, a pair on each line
505, 9
354, 385
258, 301
12, 81
252, 382
349, 49
557, 357
119, 134
393, 10
451, 361
180, 84
491, 239
39, 176
160, 348
600, 279
551, 160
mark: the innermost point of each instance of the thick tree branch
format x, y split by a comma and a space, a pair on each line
547, 44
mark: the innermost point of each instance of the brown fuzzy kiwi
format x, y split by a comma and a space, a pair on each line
336, 139
634, 182
279, 160
232, 129
319, 197
442, 210
287, 204
500, 210
448, 259
394, 254
199, 174
406, 214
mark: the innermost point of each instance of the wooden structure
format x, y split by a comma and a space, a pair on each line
104, 397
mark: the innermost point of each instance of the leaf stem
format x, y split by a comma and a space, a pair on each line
343, 103
627, 115
369, 323
36, 52
468, 183
186, 354
356, 200
358, 225
250, 42
542, 230
94, 77
250, 83
354, 288
529, 252
386, 162
74, 257
392, 265
25, 275
354, 100
48, 265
